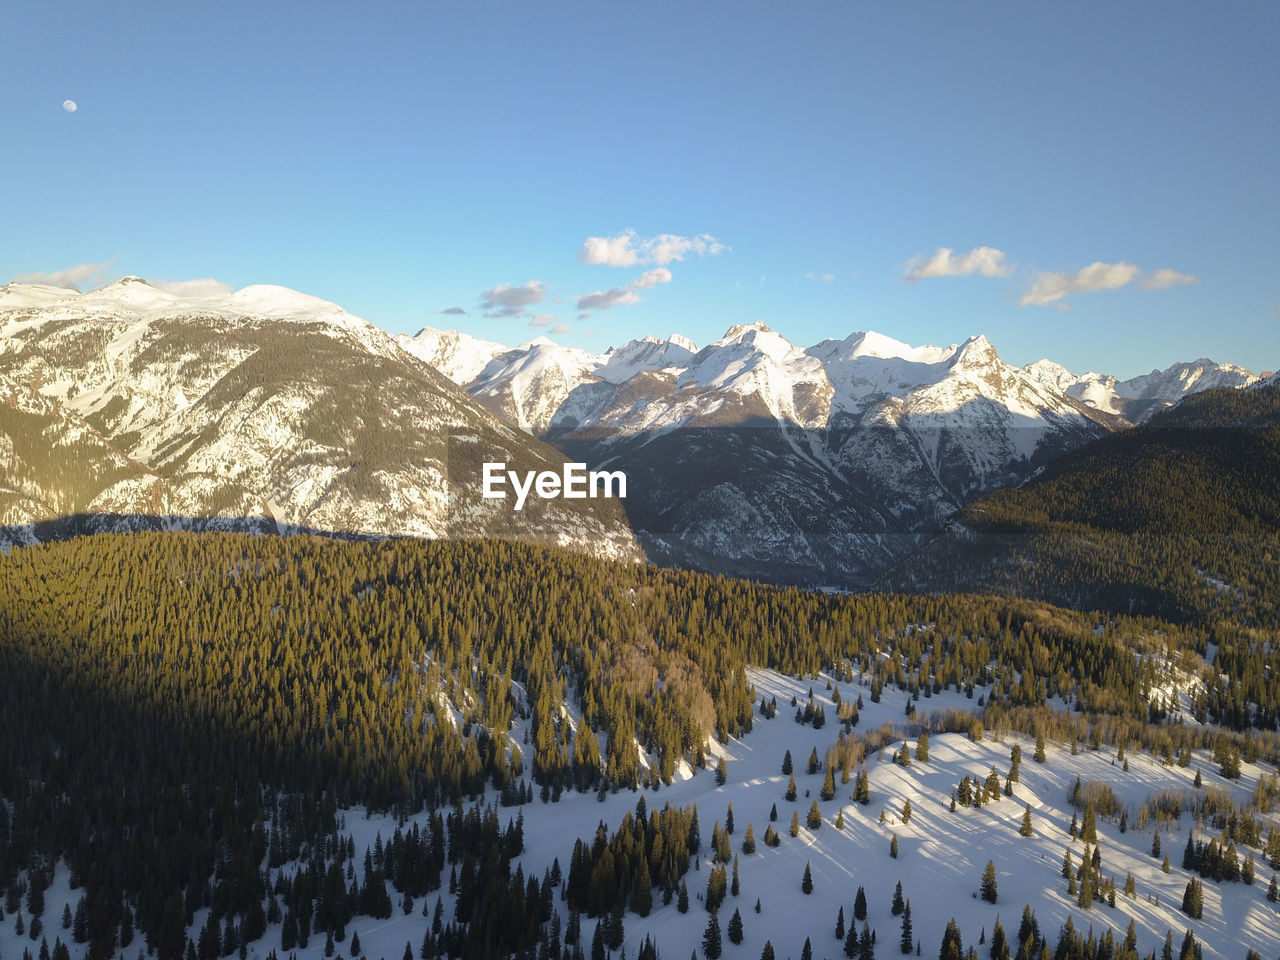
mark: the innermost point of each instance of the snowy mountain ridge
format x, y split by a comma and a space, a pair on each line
261, 409
820, 464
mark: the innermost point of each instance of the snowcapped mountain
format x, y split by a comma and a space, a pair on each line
459, 356
818, 465
269, 408
528, 384
264, 407
1137, 398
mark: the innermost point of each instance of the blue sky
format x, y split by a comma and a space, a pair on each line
1105, 174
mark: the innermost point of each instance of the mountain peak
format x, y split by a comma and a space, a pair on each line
682, 341
975, 352
740, 330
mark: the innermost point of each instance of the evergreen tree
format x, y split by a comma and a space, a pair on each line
1193, 899
814, 820
767, 952
862, 788
711, 942
806, 882
851, 942
1089, 833
922, 747
893, 846
786, 763
999, 942
749, 840
898, 903
1026, 829
907, 940
860, 903
734, 930
795, 823
1039, 755
989, 882
722, 772
952, 944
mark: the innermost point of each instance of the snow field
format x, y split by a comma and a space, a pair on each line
941, 854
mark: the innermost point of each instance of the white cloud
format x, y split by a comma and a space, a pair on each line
543, 320
604, 299
75, 278
561, 329
623, 296
204, 289
1054, 288
610, 251
627, 249
1164, 278
506, 300
651, 278
670, 247
987, 261
453, 312
820, 277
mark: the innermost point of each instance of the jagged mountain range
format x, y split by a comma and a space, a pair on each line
267, 409
819, 465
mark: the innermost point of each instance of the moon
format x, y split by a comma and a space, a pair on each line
70, 106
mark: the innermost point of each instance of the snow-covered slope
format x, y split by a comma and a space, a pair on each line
941, 856
264, 403
528, 384
459, 356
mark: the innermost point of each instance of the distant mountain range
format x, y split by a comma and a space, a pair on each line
820, 465
131, 407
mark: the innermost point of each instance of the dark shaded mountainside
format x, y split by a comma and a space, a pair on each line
1178, 518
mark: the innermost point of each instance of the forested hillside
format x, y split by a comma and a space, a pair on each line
184, 716
1179, 519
